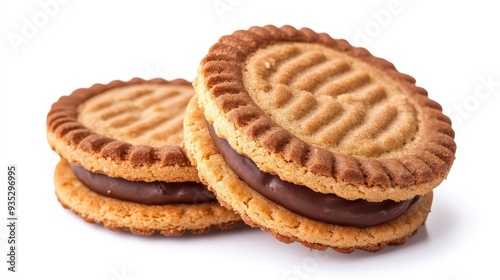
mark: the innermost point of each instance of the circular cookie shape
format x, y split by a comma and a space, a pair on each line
131, 130
284, 224
122, 164
323, 114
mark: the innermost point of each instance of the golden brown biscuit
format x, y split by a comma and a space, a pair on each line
122, 164
326, 122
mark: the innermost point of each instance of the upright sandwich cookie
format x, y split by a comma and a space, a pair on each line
121, 160
316, 141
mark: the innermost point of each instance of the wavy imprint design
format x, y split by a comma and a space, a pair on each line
138, 114
330, 100
65, 116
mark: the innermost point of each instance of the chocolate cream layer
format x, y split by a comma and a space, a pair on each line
327, 208
150, 193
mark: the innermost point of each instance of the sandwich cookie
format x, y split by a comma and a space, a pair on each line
316, 141
122, 164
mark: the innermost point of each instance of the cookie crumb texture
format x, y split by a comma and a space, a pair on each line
169, 220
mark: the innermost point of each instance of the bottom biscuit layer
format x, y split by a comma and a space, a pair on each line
285, 225
169, 220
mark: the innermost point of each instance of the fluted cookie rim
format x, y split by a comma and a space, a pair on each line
220, 87
116, 158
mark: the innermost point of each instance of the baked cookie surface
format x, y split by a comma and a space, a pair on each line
326, 117
122, 163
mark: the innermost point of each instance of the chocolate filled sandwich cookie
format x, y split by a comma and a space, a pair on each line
121, 159
316, 141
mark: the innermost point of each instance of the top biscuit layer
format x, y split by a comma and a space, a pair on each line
331, 100
321, 113
131, 130
143, 114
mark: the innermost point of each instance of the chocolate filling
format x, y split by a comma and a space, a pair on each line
151, 193
327, 208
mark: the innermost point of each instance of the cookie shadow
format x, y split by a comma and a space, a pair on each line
188, 235
212, 233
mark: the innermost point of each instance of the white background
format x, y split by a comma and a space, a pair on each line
48, 50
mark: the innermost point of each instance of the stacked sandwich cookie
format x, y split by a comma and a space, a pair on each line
316, 141
121, 159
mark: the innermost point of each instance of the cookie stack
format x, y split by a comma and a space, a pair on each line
300, 134
121, 160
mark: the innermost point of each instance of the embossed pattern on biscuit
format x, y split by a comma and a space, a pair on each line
337, 89
63, 123
138, 114
331, 100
